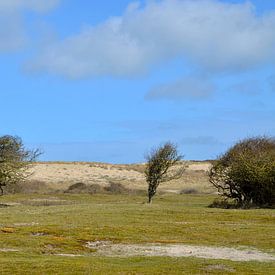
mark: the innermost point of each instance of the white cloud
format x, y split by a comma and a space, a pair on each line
35, 5
188, 87
12, 30
213, 35
201, 140
12, 37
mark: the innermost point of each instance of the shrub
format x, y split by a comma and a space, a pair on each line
29, 187
224, 204
95, 189
246, 172
116, 188
189, 190
80, 187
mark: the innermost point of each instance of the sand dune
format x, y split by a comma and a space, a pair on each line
61, 174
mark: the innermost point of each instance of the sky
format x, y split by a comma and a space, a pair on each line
108, 80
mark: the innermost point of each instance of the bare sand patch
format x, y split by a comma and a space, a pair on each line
179, 250
8, 250
23, 224
68, 255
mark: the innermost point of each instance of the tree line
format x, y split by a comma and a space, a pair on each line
244, 175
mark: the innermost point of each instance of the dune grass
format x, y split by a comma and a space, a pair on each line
41, 226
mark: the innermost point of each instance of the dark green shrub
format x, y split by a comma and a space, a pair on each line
246, 172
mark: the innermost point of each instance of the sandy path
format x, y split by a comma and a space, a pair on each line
222, 253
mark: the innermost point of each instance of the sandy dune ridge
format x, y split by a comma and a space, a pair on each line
61, 174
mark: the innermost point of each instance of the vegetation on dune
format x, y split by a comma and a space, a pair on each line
246, 173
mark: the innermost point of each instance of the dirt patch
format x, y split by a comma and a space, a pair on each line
23, 224
69, 255
151, 250
8, 250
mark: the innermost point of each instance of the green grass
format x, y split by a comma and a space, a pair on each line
182, 219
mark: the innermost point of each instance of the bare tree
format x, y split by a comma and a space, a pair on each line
159, 162
14, 161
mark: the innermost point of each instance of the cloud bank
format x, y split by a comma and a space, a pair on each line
212, 35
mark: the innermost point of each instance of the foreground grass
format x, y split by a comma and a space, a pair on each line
39, 228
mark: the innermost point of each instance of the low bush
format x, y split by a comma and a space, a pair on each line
80, 187
190, 190
246, 173
116, 188
29, 187
224, 204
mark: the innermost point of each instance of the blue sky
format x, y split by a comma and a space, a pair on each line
107, 80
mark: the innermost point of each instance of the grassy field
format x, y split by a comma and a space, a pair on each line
36, 228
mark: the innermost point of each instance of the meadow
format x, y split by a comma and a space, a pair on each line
48, 234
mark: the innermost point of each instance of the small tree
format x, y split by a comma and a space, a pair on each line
14, 161
246, 172
159, 162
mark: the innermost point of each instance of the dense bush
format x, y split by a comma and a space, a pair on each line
246, 172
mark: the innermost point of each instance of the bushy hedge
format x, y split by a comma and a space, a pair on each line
246, 172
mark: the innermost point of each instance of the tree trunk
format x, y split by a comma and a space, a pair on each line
151, 191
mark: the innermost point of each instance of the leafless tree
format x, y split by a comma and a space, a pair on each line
14, 160
158, 168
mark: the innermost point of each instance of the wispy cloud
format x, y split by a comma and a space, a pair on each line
13, 34
188, 87
35, 5
271, 81
248, 87
211, 34
201, 140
